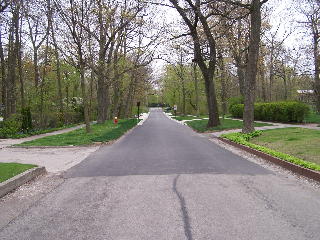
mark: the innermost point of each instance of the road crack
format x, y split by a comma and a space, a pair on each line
184, 210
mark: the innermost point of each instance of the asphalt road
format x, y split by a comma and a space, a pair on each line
163, 181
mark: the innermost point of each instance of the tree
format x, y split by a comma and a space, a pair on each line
56, 53
13, 53
192, 14
38, 31
251, 68
254, 10
74, 16
311, 10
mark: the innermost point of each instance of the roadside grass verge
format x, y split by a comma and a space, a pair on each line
201, 125
99, 133
9, 170
39, 131
296, 145
181, 118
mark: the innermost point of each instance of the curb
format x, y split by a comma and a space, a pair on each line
287, 165
16, 181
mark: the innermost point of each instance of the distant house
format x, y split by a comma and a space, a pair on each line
306, 96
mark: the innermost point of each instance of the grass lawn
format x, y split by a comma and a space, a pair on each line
181, 118
38, 131
9, 170
313, 117
299, 142
100, 133
201, 125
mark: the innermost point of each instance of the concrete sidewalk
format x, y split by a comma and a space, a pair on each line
53, 159
10, 141
274, 126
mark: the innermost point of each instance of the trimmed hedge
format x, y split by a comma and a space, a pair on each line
275, 111
234, 101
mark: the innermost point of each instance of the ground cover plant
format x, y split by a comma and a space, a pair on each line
201, 125
9, 170
100, 133
297, 145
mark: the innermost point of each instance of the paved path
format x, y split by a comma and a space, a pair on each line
163, 181
273, 126
9, 142
54, 159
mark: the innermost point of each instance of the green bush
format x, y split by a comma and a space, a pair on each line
274, 111
26, 125
11, 126
234, 101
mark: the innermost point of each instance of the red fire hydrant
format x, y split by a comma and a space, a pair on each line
115, 120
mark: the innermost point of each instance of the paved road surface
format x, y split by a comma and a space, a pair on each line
163, 181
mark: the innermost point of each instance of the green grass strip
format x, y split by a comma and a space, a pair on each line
9, 170
181, 118
243, 139
201, 125
39, 131
105, 132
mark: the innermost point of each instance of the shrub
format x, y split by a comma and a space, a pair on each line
11, 126
236, 110
26, 125
234, 101
274, 111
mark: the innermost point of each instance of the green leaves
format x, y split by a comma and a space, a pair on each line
275, 111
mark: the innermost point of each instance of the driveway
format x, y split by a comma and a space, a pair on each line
164, 181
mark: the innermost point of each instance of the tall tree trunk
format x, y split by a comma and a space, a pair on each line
251, 70
101, 91
101, 74
116, 86
13, 46
211, 99
207, 71
241, 78
36, 68
58, 67
83, 90
271, 74
3, 79
20, 69
316, 66
196, 88
223, 86
263, 83
42, 84
129, 99
182, 81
